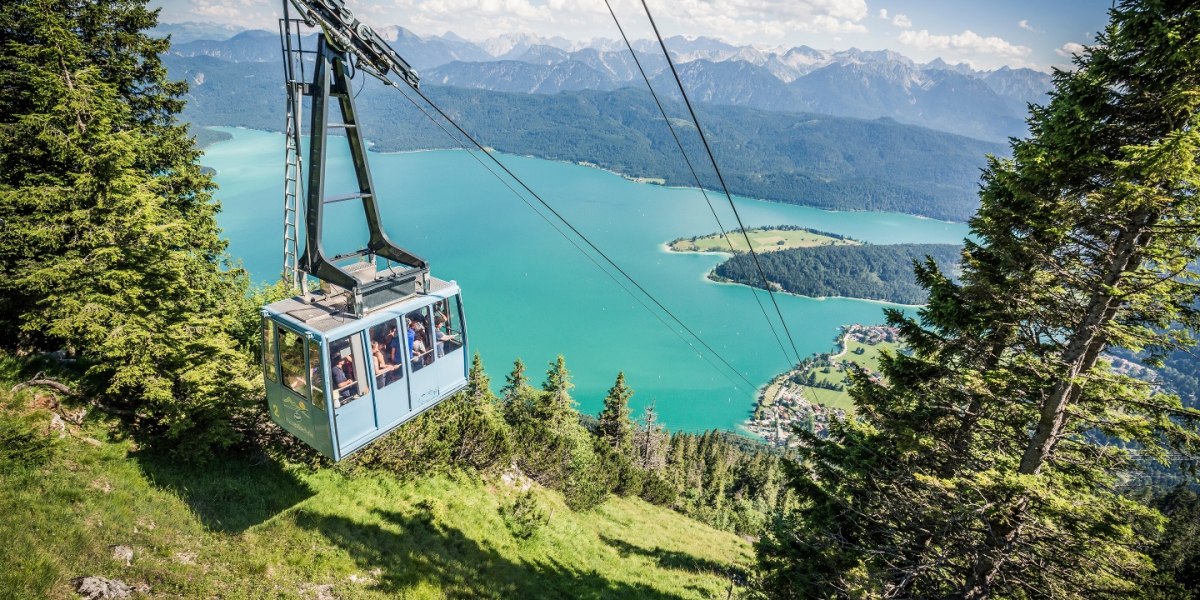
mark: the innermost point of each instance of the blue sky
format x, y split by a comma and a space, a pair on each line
1017, 33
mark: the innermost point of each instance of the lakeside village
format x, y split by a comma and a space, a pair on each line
814, 391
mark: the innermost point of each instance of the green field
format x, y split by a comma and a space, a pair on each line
251, 527
869, 360
764, 240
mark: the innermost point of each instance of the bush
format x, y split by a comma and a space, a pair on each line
657, 490
585, 490
524, 517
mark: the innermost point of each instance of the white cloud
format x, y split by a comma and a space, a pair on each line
883, 14
966, 42
902, 21
238, 12
754, 20
1069, 49
738, 21
1024, 24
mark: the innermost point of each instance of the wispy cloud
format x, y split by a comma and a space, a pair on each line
902, 21
1069, 49
738, 20
967, 42
883, 14
774, 18
1024, 24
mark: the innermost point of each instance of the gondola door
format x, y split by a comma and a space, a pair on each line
450, 342
388, 367
354, 406
423, 382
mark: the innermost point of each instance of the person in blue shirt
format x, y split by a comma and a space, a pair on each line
392, 345
343, 385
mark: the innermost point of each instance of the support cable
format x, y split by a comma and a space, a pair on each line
695, 176
721, 178
574, 243
575, 230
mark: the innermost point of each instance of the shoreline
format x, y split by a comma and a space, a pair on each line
785, 403
630, 178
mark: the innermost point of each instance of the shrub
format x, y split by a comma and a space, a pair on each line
524, 517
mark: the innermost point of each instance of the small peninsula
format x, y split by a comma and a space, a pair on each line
765, 239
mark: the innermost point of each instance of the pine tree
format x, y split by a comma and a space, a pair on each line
110, 246
555, 405
616, 428
483, 437
986, 466
517, 396
479, 385
651, 442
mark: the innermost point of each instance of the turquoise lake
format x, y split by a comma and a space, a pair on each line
529, 293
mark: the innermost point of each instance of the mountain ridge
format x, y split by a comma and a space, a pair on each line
869, 84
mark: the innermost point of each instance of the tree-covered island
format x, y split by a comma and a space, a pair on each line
820, 264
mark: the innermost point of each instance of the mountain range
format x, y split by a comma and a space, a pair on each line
819, 160
988, 105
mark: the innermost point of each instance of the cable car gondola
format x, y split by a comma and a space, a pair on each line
375, 345
338, 382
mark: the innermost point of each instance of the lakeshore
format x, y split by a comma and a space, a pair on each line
813, 393
529, 294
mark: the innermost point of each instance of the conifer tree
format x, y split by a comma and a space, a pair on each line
986, 465
555, 405
516, 395
616, 428
110, 247
479, 385
482, 436
651, 442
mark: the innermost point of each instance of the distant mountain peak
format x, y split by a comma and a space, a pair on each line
512, 44
938, 64
450, 36
394, 33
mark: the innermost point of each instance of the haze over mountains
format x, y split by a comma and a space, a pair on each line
988, 105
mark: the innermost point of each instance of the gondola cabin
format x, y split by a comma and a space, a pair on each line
338, 382
382, 340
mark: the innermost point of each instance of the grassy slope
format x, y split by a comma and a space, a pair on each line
869, 360
764, 240
247, 529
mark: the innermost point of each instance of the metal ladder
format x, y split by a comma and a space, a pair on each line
290, 35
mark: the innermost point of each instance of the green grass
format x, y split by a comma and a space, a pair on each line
248, 527
869, 360
764, 240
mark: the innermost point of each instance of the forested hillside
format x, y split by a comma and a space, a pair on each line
816, 160
458, 501
136, 455
870, 272
988, 458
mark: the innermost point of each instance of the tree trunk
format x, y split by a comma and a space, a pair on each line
1086, 342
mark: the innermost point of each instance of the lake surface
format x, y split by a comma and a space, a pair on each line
529, 293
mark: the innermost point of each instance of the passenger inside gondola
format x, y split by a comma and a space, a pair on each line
391, 345
341, 373
384, 368
446, 341
418, 336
